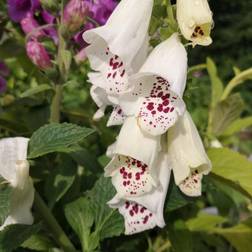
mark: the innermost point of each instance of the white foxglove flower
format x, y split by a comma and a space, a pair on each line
188, 157
118, 48
14, 169
156, 92
195, 21
132, 167
144, 212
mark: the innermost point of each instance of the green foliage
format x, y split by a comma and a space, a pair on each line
14, 235
92, 219
232, 166
5, 195
57, 138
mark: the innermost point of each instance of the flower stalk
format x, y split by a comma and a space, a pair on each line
56, 104
59, 235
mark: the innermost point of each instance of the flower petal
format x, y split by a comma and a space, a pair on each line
130, 177
146, 211
123, 36
11, 151
191, 186
187, 153
117, 117
139, 146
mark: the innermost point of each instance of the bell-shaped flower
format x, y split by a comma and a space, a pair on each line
189, 160
132, 167
195, 21
14, 169
117, 47
144, 212
156, 92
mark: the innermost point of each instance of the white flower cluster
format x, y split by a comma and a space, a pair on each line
145, 88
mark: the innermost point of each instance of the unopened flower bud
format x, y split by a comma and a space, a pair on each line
29, 25
38, 54
75, 14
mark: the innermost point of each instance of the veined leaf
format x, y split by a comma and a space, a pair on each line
93, 211
38, 242
57, 137
217, 85
204, 222
226, 112
240, 236
238, 125
60, 180
237, 80
36, 90
5, 194
232, 167
14, 235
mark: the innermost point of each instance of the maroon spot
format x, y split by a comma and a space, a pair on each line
172, 109
131, 213
166, 102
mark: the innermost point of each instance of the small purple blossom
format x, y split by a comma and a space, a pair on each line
102, 9
75, 13
29, 24
18, 9
38, 54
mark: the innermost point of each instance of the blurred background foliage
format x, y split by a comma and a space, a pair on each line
218, 221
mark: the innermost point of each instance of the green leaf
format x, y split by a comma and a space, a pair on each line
240, 236
5, 194
14, 235
237, 80
232, 167
36, 90
175, 199
237, 126
94, 212
108, 222
204, 222
80, 216
60, 180
217, 85
226, 112
181, 237
57, 137
38, 242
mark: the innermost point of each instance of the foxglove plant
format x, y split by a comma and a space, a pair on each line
14, 169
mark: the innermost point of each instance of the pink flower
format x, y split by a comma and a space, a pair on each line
38, 54
75, 13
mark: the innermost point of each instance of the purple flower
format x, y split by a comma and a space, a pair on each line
38, 54
102, 9
75, 13
18, 9
29, 24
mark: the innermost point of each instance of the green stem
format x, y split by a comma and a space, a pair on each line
60, 237
55, 106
